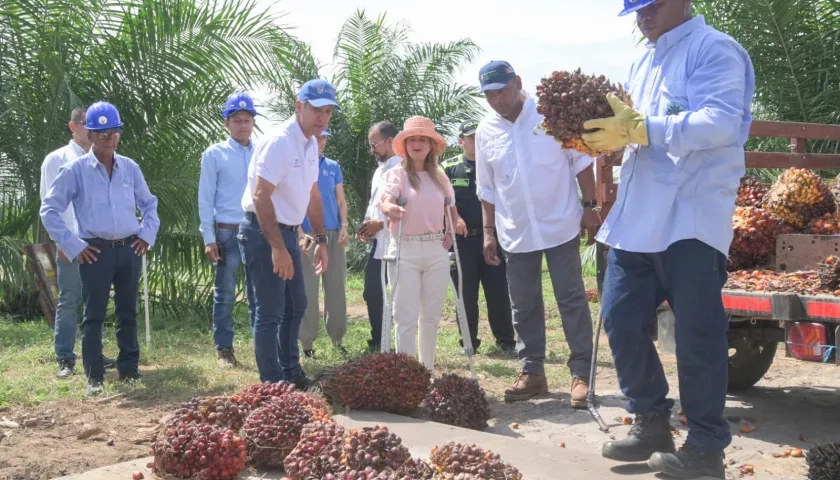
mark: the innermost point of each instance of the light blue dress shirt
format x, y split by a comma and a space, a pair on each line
105, 207
696, 87
224, 176
329, 175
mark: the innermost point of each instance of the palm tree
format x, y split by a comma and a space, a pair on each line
167, 65
380, 75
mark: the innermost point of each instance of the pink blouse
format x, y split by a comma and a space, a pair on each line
424, 207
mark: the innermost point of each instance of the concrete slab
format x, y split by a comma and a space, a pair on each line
535, 461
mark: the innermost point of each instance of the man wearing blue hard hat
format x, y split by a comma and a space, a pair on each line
671, 227
224, 175
528, 186
105, 189
282, 189
331, 186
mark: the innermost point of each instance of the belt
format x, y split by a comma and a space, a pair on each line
424, 237
227, 226
474, 232
101, 242
252, 217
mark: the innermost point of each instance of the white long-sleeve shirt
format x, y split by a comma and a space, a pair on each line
49, 170
372, 211
531, 180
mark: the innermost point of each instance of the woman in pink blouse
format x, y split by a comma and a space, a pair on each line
424, 257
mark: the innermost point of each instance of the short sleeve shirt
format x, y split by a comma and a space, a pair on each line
329, 175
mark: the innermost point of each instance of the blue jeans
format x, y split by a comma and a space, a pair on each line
67, 310
279, 304
121, 267
224, 294
690, 276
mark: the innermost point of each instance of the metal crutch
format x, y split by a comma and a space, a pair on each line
388, 311
459, 293
590, 397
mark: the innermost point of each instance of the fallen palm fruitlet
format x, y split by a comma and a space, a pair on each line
568, 99
469, 462
458, 401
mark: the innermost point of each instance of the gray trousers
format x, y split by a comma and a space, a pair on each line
524, 274
335, 297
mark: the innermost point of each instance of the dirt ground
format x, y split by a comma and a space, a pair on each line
793, 407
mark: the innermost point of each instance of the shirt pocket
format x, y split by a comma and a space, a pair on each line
501, 156
127, 195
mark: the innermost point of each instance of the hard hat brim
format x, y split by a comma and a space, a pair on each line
642, 4
106, 127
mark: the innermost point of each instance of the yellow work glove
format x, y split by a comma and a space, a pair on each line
625, 128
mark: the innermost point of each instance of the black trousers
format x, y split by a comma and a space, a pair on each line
373, 297
494, 281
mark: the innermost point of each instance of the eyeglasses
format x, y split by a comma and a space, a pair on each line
108, 134
374, 145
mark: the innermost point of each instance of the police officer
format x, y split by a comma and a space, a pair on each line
224, 175
106, 190
671, 227
461, 173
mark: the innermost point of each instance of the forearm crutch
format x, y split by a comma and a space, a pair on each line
459, 293
590, 397
388, 312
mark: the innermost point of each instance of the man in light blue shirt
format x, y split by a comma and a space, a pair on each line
671, 227
224, 175
331, 186
105, 190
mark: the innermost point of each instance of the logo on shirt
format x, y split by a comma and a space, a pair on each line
296, 163
674, 108
460, 182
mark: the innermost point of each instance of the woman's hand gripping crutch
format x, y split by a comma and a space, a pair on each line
459, 293
388, 311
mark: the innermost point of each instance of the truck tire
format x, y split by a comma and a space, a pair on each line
749, 362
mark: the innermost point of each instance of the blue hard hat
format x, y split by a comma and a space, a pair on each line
102, 116
239, 101
631, 6
318, 93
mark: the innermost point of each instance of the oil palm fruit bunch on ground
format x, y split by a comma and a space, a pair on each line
254, 395
387, 382
829, 272
568, 99
459, 401
828, 224
317, 453
273, 430
469, 462
219, 411
798, 196
751, 192
823, 461
194, 450
754, 242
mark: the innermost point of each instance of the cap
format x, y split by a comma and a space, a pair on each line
468, 128
495, 75
318, 93
239, 101
631, 6
102, 116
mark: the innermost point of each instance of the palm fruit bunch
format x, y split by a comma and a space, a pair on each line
193, 450
829, 273
254, 395
387, 382
755, 232
568, 99
751, 192
469, 462
273, 430
375, 448
823, 460
828, 224
459, 401
798, 196
834, 186
317, 453
219, 411
803, 283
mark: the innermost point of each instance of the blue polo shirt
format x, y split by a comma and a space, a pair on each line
329, 175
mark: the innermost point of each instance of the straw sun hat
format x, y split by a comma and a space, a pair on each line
421, 126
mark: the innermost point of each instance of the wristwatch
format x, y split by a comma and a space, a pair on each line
590, 203
321, 238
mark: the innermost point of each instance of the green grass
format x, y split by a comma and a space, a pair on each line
181, 362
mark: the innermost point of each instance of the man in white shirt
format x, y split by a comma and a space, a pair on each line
67, 274
380, 138
526, 183
282, 190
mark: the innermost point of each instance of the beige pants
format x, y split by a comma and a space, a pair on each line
335, 297
419, 296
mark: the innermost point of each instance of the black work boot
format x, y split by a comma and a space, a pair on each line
689, 463
65, 368
649, 434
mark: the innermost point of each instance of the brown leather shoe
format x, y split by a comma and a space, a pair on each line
526, 386
580, 389
226, 358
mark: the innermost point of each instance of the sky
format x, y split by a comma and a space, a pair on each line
535, 36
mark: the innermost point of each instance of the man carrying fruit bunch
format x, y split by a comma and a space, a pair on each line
527, 183
671, 227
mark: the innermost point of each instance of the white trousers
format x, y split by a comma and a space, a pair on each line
419, 296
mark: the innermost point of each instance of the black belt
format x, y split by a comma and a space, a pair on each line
252, 217
227, 226
472, 232
101, 242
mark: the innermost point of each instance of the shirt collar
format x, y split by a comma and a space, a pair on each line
234, 144
91, 159
673, 36
76, 148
